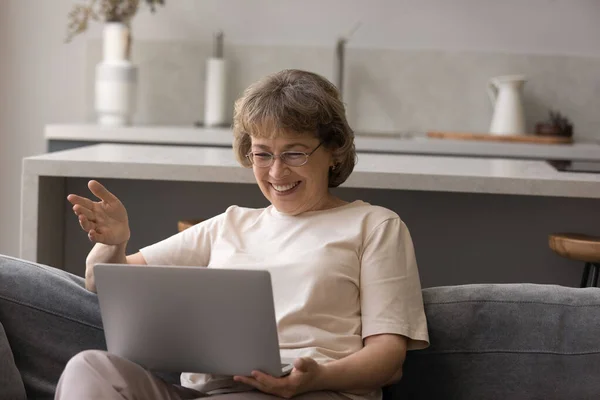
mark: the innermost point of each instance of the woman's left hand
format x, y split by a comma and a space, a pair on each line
300, 380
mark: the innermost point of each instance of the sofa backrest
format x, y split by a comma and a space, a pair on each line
506, 341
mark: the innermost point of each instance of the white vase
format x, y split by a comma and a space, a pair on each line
116, 78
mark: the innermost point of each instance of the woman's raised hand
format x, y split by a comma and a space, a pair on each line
105, 221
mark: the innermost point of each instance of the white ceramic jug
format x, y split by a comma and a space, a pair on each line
505, 93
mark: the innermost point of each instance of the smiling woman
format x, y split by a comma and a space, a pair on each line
345, 283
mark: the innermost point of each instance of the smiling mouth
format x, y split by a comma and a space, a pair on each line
285, 188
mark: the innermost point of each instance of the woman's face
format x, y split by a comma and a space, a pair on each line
294, 190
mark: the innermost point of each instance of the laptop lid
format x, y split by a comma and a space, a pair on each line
190, 319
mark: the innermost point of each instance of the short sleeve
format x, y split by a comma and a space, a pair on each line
390, 288
191, 247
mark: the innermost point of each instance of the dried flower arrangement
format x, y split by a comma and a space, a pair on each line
104, 11
556, 125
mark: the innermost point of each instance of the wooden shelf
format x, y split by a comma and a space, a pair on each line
501, 138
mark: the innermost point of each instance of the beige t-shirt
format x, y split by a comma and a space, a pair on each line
338, 275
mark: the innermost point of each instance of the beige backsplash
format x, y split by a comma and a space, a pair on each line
385, 90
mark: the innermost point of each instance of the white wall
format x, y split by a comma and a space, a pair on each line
42, 79
40, 82
519, 26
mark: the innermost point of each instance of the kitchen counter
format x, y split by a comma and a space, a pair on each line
473, 220
406, 143
373, 171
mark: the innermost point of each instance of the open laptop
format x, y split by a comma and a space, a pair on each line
190, 319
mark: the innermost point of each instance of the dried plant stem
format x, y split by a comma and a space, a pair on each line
104, 11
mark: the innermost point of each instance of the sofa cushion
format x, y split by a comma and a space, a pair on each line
11, 384
500, 341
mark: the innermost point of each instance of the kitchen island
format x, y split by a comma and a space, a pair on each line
473, 220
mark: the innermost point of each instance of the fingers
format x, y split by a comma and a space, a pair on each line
101, 192
86, 224
250, 381
82, 201
89, 214
259, 378
98, 190
95, 237
268, 384
302, 364
84, 209
267, 381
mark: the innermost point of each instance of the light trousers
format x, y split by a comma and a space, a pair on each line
96, 374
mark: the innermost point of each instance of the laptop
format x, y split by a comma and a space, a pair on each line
190, 319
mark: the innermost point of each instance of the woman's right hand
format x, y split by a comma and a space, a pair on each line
105, 221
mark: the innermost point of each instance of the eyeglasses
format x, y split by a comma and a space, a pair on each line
265, 159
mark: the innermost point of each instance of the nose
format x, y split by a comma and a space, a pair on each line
279, 169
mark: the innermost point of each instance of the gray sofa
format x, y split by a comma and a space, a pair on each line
511, 341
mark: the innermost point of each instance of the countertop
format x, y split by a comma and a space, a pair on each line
402, 143
377, 171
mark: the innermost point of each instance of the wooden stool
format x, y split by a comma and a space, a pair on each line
581, 248
187, 223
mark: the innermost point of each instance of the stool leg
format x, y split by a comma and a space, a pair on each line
585, 276
596, 273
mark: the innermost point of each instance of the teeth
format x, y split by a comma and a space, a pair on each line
284, 188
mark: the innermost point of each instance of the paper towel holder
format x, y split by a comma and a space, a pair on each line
215, 89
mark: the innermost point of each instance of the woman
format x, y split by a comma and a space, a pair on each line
352, 303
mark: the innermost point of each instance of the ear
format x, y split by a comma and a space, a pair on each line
333, 161
333, 158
